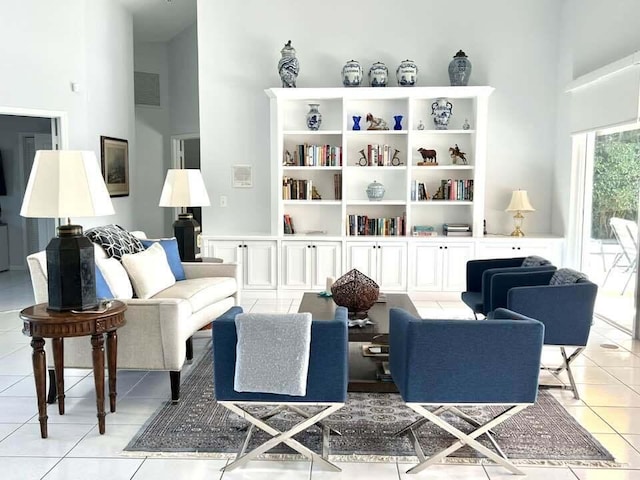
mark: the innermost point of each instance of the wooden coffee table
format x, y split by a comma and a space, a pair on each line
363, 370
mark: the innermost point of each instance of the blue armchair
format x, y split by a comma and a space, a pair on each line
327, 380
462, 362
564, 304
478, 293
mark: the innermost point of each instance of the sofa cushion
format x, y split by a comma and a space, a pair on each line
116, 277
201, 292
566, 276
170, 246
149, 271
115, 240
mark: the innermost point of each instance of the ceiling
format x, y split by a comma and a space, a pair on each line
160, 20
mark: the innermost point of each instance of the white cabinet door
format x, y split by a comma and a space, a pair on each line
259, 265
426, 267
454, 265
230, 251
326, 260
518, 248
363, 256
392, 266
296, 265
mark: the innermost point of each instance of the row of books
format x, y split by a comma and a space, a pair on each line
293, 189
457, 189
419, 191
306, 155
456, 229
288, 225
358, 225
377, 155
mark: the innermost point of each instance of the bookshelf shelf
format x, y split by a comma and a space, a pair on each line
312, 133
440, 203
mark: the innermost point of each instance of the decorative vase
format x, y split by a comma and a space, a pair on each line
378, 75
398, 120
288, 66
356, 122
407, 73
314, 117
441, 110
375, 191
465, 125
459, 70
356, 292
352, 74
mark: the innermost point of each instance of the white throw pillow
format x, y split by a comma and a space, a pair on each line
116, 277
149, 271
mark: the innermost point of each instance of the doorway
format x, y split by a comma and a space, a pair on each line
186, 154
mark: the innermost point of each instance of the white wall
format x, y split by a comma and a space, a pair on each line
511, 44
48, 45
594, 34
183, 82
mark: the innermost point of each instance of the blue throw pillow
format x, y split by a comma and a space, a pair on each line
170, 246
102, 289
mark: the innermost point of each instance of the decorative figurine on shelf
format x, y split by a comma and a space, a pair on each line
376, 123
356, 122
439, 195
459, 70
407, 73
352, 74
288, 66
465, 125
362, 161
395, 160
375, 191
441, 110
315, 195
314, 117
428, 157
420, 125
378, 75
456, 154
398, 120
288, 159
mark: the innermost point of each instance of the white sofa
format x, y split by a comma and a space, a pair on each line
158, 331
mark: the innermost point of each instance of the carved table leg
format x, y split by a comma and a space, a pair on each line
58, 365
97, 341
39, 367
112, 355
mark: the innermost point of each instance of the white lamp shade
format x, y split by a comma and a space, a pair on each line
520, 202
65, 183
184, 188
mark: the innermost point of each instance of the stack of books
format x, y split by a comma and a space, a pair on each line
457, 229
423, 231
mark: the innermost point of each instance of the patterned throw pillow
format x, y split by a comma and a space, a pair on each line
535, 261
565, 276
115, 240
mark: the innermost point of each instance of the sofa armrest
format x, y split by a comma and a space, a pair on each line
475, 269
204, 269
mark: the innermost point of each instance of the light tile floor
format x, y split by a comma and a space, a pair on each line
609, 381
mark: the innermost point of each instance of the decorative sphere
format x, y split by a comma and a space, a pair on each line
355, 291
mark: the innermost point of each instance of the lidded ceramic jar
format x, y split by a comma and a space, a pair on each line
352, 74
288, 66
375, 191
459, 70
407, 73
378, 75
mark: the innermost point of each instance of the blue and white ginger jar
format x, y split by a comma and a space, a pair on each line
314, 117
407, 73
459, 70
352, 74
378, 75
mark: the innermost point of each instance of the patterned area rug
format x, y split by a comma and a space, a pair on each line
541, 434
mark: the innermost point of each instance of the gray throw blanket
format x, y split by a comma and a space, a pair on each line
272, 354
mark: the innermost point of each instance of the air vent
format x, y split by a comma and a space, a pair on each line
147, 89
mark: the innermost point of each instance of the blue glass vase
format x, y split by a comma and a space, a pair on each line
398, 125
356, 122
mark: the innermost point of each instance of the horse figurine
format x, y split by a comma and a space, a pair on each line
456, 154
376, 123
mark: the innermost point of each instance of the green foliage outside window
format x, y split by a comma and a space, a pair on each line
616, 180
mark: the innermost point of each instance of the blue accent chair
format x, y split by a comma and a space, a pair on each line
448, 363
327, 380
478, 294
566, 309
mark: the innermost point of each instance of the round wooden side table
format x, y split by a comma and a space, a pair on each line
40, 323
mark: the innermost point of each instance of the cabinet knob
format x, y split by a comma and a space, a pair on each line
445, 247
313, 246
308, 246
239, 246
440, 247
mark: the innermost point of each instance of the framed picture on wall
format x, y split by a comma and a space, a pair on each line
114, 153
242, 176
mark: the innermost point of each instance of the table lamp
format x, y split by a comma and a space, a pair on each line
66, 183
519, 203
185, 188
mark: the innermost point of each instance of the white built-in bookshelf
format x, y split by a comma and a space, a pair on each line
403, 177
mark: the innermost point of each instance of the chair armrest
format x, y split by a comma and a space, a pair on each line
506, 314
565, 310
475, 269
496, 283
